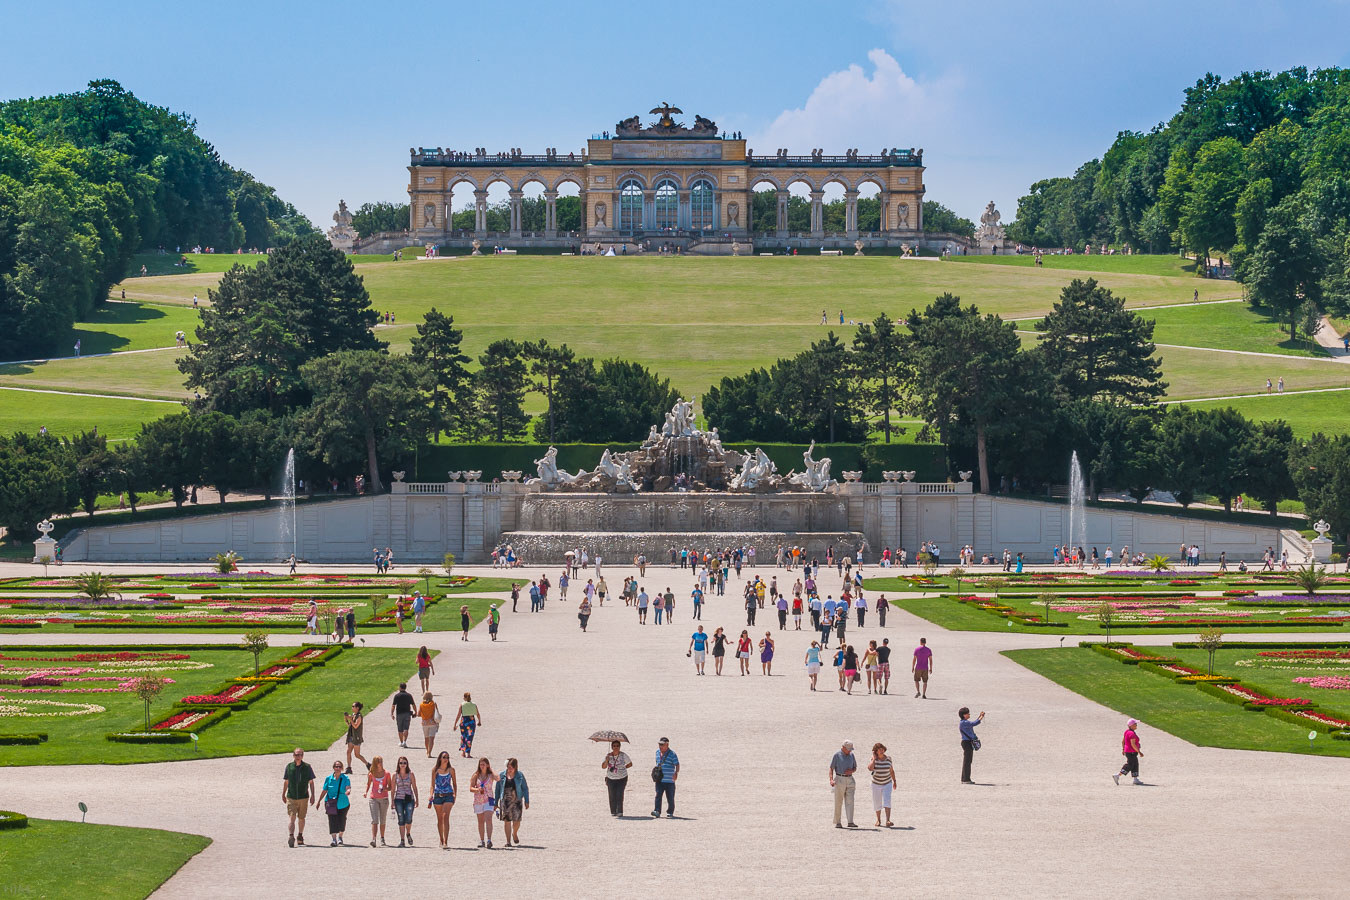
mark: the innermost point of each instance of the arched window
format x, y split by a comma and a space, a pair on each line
667, 205
630, 207
701, 206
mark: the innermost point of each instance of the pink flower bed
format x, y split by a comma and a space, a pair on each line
232, 695
1260, 699
1326, 682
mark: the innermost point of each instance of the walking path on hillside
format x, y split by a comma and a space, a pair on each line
753, 803
29, 362
6, 387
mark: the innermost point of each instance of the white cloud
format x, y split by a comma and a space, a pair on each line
852, 108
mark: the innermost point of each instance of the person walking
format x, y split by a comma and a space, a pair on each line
797, 612
969, 742
665, 774
839, 665
443, 787
813, 662
482, 785
356, 735
698, 649
401, 711
379, 783
430, 714
851, 676
405, 799
869, 664
642, 601
766, 654
424, 668
883, 780
743, 651
297, 792
842, 766
616, 765
513, 796
669, 597
884, 666
719, 649
782, 605
697, 595
468, 720
336, 788
860, 608
922, 666
515, 597
464, 622
750, 606
1130, 748
584, 611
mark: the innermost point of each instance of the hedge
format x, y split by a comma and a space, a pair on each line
150, 737
1288, 716
16, 739
435, 460
1267, 645
12, 820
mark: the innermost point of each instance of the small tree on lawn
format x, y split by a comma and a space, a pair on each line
1311, 577
255, 642
997, 584
1046, 599
449, 564
425, 573
1106, 614
1211, 639
929, 564
148, 689
957, 574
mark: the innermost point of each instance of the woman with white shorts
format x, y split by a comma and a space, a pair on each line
813, 662
883, 779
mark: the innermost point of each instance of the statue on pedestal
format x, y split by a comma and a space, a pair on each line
817, 475
342, 235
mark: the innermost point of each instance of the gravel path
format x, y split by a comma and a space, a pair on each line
753, 800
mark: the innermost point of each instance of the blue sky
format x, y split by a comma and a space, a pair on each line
323, 100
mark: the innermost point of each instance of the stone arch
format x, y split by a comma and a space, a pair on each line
812, 183
565, 178
879, 181
458, 178
764, 178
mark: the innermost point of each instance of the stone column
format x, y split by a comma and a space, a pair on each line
684, 216
817, 214
515, 197
480, 213
782, 213
851, 214
550, 214
446, 209
648, 211
885, 212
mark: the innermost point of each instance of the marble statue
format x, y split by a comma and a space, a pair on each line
817, 475
755, 471
549, 473
342, 235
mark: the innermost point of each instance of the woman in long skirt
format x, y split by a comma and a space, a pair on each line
468, 720
513, 794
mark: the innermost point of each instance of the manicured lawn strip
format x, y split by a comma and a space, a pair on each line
1136, 263
1228, 326
306, 712
69, 859
1305, 413
67, 416
1182, 710
444, 616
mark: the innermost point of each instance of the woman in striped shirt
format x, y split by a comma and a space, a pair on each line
883, 779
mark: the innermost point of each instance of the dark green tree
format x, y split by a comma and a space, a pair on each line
1097, 349
616, 400
265, 323
500, 385
1268, 478
744, 408
367, 404
437, 348
95, 466
878, 347
1285, 268
1320, 468
171, 455
548, 364
938, 218
38, 474
372, 218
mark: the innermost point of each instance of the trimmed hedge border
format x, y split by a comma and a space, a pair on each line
14, 740
264, 688
12, 821
1267, 645
149, 737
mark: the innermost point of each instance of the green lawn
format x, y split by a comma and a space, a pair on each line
1195, 373
71, 859
64, 414
1182, 710
1140, 263
306, 712
1228, 326
152, 375
1306, 413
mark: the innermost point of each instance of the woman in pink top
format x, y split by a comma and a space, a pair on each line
378, 784
1129, 745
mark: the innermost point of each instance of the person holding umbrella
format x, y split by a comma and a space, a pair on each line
616, 765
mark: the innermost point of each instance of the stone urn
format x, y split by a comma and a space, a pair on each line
477, 248
857, 248
852, 476
512, 475
472, 477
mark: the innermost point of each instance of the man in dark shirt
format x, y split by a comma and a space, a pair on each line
402, 712
884, 664
297, 792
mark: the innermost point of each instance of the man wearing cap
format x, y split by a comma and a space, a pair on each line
494, 619
1130, 747
419, 606
669, 764
842, 767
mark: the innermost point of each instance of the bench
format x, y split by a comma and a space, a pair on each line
832, 253
508, 253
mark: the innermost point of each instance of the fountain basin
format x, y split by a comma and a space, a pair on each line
548, 547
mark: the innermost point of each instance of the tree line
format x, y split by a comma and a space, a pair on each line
86, 180
1254, 167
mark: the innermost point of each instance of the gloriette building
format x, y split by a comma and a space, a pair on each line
669, 182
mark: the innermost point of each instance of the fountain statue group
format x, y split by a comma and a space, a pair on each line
678, 456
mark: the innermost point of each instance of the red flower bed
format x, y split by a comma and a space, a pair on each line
121, 656
231, 695
1256, 698
1321, 718
1306, 654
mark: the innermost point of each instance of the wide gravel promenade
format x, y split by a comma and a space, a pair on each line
753, 803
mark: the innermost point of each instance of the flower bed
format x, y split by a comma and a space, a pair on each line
149, 737
1326, 682
234, 695
24, 708
1320, 721
190, 720
1249, 697
12, 821
314, 656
